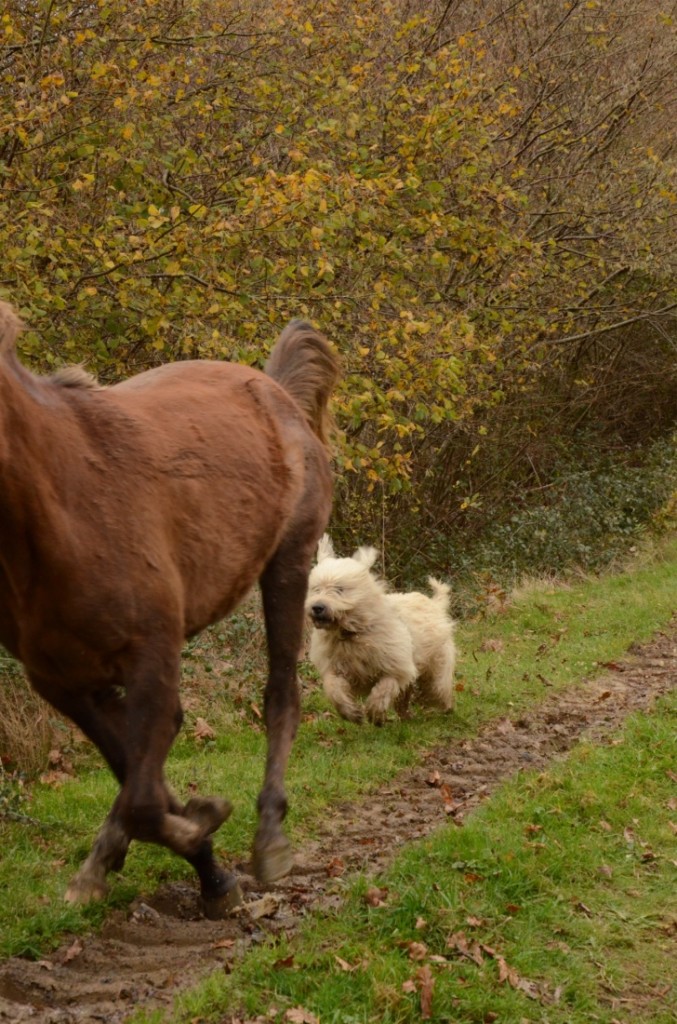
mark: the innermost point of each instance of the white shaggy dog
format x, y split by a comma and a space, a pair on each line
369, 643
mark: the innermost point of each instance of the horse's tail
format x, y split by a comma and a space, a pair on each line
10, 328
441, 592
303, 362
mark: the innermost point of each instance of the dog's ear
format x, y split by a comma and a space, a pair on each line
366, 556
325, 549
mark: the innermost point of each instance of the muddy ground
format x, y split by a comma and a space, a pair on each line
145, 955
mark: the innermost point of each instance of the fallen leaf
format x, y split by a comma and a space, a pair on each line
409, 985
298, 1015
492, 645
223, 944
343, 964
256, 710
471, 950
434, 779
284, 963
417, 950
267, 906
605, 871
203, 730
376, 897
73, 950
421, 923
55, 779
335, 867
426, 981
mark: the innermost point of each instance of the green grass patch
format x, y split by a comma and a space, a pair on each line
550, 637
560, 889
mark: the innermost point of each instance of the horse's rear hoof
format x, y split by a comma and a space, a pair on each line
81, 891
273, 861
208, 812
215, 908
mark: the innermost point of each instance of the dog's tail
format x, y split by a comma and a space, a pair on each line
306, 366
441, 592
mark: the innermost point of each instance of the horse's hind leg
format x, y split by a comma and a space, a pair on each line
283, 588
100, 717
103, 717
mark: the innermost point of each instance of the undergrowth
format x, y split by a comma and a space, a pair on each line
593, 513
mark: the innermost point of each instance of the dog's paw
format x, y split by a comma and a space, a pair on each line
377, 714
351, 713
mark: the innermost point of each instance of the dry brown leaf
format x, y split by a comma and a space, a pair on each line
417, 950
55, 779
267, 906
409, 985
492, 645
344, 965
335, 867
284, 963
426, 981
471, 950
73, 950
203, 730
297, 1015
376, 897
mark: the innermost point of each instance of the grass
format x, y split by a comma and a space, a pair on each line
550, 637
564, 881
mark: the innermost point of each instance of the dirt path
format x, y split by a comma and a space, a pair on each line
145, 955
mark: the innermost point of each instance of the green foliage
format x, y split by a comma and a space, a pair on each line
494, 257
595, 509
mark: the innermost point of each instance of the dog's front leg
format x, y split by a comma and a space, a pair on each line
383, 697
339, 692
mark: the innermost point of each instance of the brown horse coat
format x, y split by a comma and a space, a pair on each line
133, 516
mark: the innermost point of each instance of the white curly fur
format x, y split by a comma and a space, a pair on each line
368, 643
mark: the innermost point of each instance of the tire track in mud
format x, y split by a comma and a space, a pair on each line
160, 945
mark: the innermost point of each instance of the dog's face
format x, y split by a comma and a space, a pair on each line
337, 587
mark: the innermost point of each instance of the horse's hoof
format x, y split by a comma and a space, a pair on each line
82, 892
209, 812
273, 861
215, 908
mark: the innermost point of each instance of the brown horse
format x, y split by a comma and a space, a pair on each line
133, 516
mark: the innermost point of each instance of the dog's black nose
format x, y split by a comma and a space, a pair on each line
318, 610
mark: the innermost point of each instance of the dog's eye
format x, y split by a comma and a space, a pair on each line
339, 590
